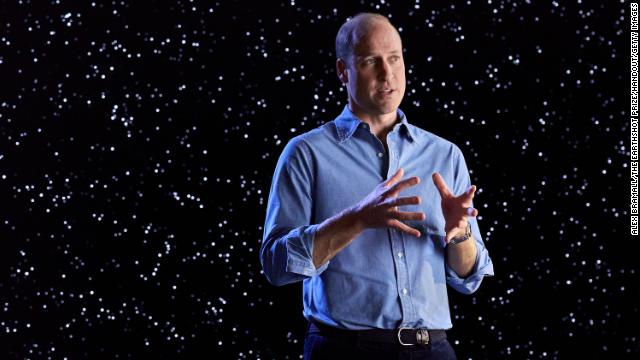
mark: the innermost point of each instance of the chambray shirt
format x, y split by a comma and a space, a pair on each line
384, 278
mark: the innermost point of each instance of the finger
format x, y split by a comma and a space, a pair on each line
471, 191
397, 188
471, 211
404, 228
408, 200
468, 195
395, 177
406, 215
441, 185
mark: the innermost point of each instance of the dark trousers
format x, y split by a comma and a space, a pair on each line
323, 346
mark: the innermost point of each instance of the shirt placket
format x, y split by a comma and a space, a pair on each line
398, 249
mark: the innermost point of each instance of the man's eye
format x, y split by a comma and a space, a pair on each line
370, 61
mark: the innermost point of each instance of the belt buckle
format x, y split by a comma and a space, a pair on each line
422, 336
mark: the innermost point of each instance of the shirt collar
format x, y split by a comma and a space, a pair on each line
347, 123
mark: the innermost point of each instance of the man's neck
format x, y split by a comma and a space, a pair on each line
380, 125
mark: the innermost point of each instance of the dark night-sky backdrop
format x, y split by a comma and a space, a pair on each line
138, 141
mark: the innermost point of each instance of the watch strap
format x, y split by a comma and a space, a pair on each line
461, 238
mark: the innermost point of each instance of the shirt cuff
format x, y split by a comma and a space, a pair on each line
300, 252
483, 267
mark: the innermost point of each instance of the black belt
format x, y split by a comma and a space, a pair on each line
402, 336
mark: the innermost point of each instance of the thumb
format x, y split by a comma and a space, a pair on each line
395, 177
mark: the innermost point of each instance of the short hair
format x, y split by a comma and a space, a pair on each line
352, 30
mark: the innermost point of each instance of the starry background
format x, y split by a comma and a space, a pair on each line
138, 141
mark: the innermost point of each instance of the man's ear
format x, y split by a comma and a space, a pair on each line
341, 68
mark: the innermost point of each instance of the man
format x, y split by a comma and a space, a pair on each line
374, 249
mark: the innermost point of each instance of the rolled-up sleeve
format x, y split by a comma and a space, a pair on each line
483, 266
286, 251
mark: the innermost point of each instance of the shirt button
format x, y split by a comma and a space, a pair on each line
400, 254
404, 291
380, 154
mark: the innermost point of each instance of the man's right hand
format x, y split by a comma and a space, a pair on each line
380, 207
376, 210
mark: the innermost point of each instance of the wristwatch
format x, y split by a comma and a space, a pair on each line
461, 238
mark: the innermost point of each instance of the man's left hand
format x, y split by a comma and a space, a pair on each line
456, 209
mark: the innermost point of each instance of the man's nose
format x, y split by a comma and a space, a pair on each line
384, 72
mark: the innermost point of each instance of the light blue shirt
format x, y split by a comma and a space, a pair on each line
384, 278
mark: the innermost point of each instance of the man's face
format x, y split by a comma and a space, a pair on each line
375, 74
